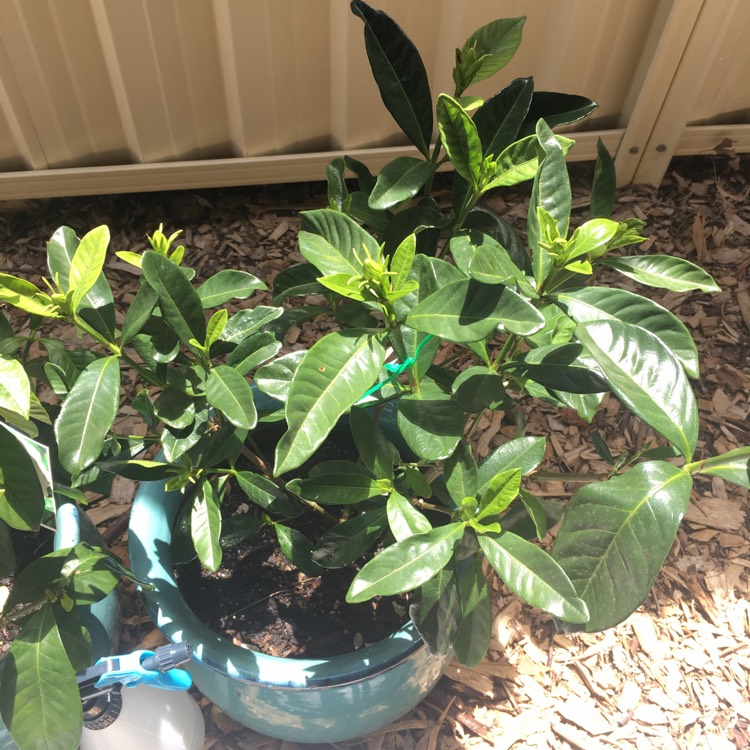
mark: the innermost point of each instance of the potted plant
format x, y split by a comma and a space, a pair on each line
415, 511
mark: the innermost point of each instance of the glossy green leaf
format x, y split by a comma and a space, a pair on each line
348, 541
500, 118
275, 377
254, 351
227, 285
460, 139
372, 444
405, 565
588, 304
179, 302
557, 109
334, 243
96, 306
501, 491
399, 73
39, 700
404, 519
461, 475
400, 180
266, 494
87, 414
25, 296
15, 388
478, 388
21, 494
237, 529
465, 311
431, 422
339, 489
7, 556
646, 377
230, 393
551, 191
298, 549
139, 312
616, 534
524, 453
358, 207
603, 189
733, 466
475, 631
246, 322
175, 408
337, 190
536, 512
141, 470
205, 525
297, 280
365, 179
530, 573
563, 367
664, 272
494, 45
87, 263
332, 376
436, 610
491, 263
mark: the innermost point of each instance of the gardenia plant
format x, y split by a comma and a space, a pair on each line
522, 317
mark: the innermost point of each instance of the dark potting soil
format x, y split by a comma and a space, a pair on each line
260, 600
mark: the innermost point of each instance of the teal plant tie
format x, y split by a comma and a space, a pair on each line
396, 368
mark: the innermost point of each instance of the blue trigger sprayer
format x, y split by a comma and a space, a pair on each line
140, 699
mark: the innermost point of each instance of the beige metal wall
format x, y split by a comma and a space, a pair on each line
100, 96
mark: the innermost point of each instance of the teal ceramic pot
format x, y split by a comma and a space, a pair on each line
102, 618
304, 700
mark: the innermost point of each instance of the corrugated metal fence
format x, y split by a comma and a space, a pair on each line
102, 96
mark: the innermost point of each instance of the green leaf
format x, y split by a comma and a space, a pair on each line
275, 378
460, 139
551, 191
253, 351
205, 525
478, 388
87, 263
227, 285
25, 296
339, 489
430, 422
139, 312
589, 304
139, 469
490, 263
466, 310
298, 549
365, 179
604, 187
405, 565
475, 632
87, 414
557, 109
348, 541
332, 376
180, 304
21, 494
372, 444
461, 475
501, 491
530, 573
562, 367
236, 529
616, 534
266, 494
436, 611
500, 118
230, 393
337, 190
734, 466
524, 453
15, 388
175, 408
494, 45
39, 699
357, 206
646, 377
399, 73
664, 272
296, 281
7, 556
96, 306
404, 519
246, 322
536, 512
400, 180
334, 243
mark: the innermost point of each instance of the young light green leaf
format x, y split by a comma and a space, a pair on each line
530, 573
332, 376
501, 491
406, 565
87, 263
524, 453
87, 414
616, 534
460, 139
404, 519
646, 377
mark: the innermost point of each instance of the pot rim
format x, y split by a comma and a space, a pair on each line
153, 513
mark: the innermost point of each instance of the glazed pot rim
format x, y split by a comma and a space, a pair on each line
152, 517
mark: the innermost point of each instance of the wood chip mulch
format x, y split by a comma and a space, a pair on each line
676, 674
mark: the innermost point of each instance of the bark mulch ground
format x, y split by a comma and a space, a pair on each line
676, 674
